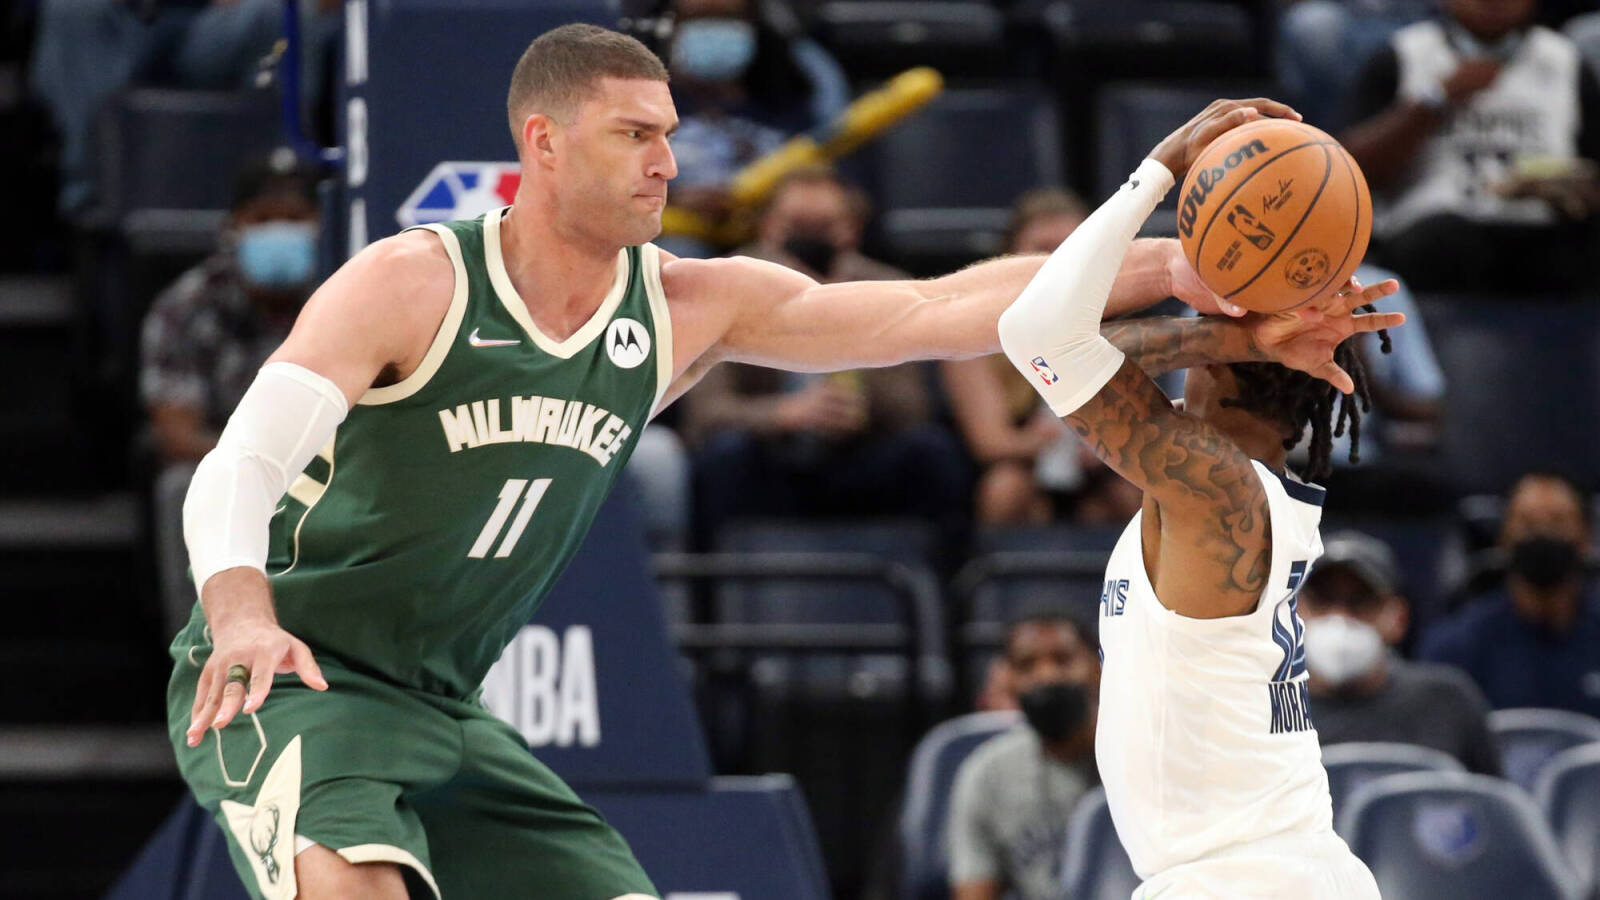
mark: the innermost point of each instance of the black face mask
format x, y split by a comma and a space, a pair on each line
815, 252
1055, 709
1545, 562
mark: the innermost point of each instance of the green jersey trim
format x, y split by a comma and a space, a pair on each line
440, 348
650, 266
495, 262
308, 491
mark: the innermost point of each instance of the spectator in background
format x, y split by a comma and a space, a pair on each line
86, 51
1361, 689
207, 334
846, 444
1031, 469
1536, 641
1321, 43
1478, 134
744, 80
1014, 795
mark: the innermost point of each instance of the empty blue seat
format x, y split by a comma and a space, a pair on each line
1131, 118
946, 177
1456, 836
925, 809
1353, 764
879, 37
1153, 38
1096, 866
1568, 791
169, 158
1529, 738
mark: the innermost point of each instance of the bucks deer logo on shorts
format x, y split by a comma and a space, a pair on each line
264, 839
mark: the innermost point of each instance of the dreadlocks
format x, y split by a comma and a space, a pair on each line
1297, 399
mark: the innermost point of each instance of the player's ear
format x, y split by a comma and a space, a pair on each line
538, 139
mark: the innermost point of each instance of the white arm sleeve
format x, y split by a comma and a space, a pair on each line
288, 414
1051, 332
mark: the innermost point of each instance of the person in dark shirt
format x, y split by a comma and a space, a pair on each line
1536, 641
1479, 134
1361, 690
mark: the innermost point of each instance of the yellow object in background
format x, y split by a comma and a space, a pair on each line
870, 115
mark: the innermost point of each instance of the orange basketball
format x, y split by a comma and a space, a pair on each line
1274, 214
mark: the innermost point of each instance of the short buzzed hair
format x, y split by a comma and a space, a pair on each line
561, 68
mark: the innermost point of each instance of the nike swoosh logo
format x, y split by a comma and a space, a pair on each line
476, 341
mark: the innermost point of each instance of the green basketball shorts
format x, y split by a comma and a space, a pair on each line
382, 773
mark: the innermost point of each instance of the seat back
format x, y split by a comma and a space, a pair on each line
1529, 738
1351, 765
1448, 834
925, 809
1096, 866
1568, 791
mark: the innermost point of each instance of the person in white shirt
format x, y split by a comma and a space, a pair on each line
1204, 740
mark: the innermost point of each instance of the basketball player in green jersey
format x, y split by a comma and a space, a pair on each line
415, 465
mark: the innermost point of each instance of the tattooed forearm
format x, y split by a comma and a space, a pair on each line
1161, 345
1193, 472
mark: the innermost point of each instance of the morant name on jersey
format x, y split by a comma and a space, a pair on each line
584, 427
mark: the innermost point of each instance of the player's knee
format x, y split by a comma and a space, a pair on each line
321, 874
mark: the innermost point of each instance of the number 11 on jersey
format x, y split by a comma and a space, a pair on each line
531, 493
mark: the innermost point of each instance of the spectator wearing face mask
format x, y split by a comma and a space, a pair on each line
1014, 795
744, 79
1361, 689
208, 333
1535, 641
863, 443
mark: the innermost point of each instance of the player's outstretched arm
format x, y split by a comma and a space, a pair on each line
368, 323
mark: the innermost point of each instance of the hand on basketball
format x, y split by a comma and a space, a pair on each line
265, 649
1184, 283
1306, 338
1179, 149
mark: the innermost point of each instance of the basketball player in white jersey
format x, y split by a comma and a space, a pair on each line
1204, 742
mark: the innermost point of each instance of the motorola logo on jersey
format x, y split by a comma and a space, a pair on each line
627, 342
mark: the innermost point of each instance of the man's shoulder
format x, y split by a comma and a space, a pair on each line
1477, 619
1003, 752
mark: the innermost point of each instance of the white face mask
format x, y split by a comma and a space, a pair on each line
1340, 649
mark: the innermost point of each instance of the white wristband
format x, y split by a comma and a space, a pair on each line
1051, 332
286, 416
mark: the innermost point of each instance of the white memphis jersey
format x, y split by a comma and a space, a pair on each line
1204, 739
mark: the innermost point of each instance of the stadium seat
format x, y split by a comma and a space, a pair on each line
1145, 38
168, 160
1568, 791
924, 811
946, 192
1353, 764
1020, 569
874, 38
1529, 738
1096, 867
1131, 118
1457, 836
1541, 409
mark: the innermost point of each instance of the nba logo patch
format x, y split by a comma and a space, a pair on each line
460, 190
1046, 374
627, 343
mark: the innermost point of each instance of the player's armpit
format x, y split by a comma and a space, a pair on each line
1215, 547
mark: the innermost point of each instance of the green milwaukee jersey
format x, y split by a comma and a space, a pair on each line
426, 533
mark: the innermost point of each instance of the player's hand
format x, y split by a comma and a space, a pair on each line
1306, 339
266, 650
1184, 283
1180, 149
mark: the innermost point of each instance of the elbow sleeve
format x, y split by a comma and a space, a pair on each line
1051, 332
287, 415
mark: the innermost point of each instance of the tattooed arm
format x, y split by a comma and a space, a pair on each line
1162, 345
1212, 549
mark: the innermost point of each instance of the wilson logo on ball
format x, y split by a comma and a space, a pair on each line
1207, 179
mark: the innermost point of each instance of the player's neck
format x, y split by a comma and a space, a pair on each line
1258, 439
561, 276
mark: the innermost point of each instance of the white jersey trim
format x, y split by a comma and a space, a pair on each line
661, 319
494, 261
442, 339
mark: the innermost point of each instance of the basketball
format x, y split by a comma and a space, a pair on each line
1274, 214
